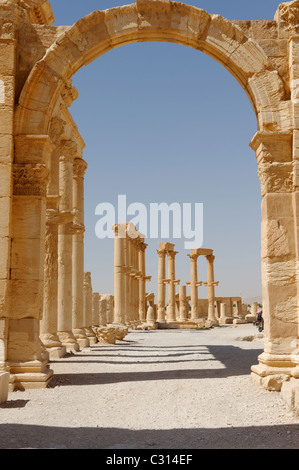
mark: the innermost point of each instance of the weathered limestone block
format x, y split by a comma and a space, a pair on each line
151, 323
110, 333
224, 317
120, 331
4, 386
105, 334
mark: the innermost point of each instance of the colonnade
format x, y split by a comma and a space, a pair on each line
194, 283
64, 326
129, 275
182, 312
166, 249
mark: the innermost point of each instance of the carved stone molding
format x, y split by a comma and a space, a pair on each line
39, 11
30, 180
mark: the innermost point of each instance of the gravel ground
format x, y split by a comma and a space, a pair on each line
165, 389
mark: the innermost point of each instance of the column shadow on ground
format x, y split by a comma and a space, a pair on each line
18, 436
235, 361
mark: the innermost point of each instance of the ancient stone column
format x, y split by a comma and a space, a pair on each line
109, 308
135, 277
49, 321
194, 287
119, 274
65, 251
211, 289
183, 304
161, 285
142, 281
95, 309
127, 274
102, 311
171, 285
79, 332
87, 308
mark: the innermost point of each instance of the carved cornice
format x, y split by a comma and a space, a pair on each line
39, 11
30, 180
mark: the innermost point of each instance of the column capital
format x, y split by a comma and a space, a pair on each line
30, 180
193, 257
171, 253
210, 258
68, 151
80, 167
161, 253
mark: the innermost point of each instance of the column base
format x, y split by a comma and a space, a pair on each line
239, 321
28, 375
273, 370
92, 338
68, 340
81, 338
225, 320
53, 345
212, 322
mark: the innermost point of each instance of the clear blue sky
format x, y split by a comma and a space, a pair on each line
165, 123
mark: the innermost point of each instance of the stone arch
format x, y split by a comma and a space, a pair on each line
101, 31
276, 144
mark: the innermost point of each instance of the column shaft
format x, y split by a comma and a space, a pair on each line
161, 285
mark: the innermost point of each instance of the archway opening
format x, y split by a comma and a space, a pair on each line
172, 125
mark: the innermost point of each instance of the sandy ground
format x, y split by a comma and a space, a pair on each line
166, 389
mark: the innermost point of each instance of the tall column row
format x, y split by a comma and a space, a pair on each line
63, 326
129, 275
